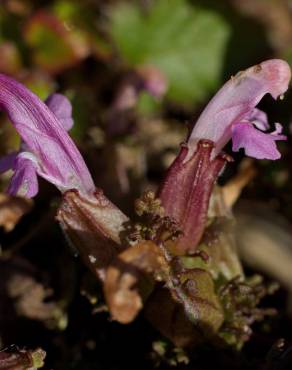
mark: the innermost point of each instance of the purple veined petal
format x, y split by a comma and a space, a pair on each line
24, 182
256, 144
237, 98
259, 119
45, 137
60, 105
7, 162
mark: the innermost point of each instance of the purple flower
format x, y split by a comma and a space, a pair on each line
91, 222
231, 114
46, 148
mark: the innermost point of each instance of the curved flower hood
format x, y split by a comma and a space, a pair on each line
46, 149
231, 114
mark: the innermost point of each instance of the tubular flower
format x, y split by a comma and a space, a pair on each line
90, 221
231, 114
46, 149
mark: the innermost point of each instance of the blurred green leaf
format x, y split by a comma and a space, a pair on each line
40, 85
67, 10
81, 103
186, 42
147, 105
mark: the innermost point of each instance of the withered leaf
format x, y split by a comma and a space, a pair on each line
232, 190
14, 358
220, 245
130, 279
218, 240
23, 294
30, 300
12, 209
93, 227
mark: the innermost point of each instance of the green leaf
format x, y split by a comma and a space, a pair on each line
147, 105
186, 42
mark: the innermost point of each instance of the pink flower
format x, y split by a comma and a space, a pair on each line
231, 114
46, 149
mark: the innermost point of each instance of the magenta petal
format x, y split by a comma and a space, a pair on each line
24, 181
60, 105
278, 129
45, 137
7, 162
237, 99
256, 144
259, 119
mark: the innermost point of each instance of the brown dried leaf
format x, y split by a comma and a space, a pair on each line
218, 241
232, 190
21, 294
128, 283
12, 209
30, 300
93, 226
14, 358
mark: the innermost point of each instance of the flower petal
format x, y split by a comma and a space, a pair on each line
43, 134
24, 181
7, 162
278, 129
259, 119
60, 105
256, 144
237, 98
